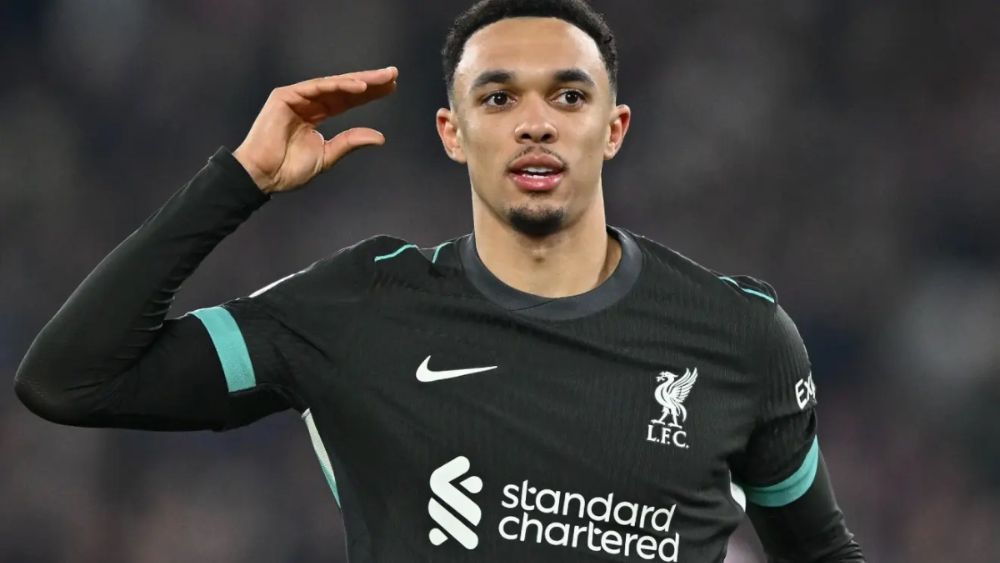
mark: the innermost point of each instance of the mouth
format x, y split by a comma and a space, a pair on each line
537, 172
535, 181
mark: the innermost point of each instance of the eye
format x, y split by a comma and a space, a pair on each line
572, 97
496, 99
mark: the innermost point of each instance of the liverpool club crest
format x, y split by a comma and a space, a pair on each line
671, 392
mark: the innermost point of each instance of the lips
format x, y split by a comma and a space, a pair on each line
537, 172
536, 183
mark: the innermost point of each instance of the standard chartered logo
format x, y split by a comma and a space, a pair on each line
574, 520
443, 486
531, 514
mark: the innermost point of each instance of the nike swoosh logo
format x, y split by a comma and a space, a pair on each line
426, 374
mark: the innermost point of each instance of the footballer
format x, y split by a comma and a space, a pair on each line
546, 388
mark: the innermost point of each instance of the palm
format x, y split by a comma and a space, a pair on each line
302, 157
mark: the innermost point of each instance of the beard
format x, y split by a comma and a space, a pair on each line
535, 222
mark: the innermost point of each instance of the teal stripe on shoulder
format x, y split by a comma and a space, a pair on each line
394, 253
792, 488
758, 294
437, 250
748, 290
230, 347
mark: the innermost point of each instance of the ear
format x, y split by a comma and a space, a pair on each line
447, 128
621, 116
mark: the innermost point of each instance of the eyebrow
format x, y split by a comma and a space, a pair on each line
507, 76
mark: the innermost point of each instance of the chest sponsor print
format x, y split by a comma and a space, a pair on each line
533, 514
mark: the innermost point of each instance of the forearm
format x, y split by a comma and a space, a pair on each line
116, 314
809, 530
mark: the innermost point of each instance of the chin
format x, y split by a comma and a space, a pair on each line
537, 221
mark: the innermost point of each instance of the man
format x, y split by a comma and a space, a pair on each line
546, 388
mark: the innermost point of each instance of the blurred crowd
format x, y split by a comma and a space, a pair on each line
846, 152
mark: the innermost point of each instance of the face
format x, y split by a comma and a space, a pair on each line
533, 116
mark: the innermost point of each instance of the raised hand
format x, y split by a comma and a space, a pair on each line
283, 149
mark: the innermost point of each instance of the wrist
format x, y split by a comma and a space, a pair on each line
263, 181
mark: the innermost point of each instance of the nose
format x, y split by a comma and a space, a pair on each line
535, 126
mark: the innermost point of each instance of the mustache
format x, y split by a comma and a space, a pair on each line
538, 150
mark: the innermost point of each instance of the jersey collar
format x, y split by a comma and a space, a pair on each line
616, 286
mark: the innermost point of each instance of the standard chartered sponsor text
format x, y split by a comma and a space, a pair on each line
528, 524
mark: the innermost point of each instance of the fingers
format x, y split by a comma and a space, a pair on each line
377, 76
354, 82
311, 90
316, 99
378, 84
372, 92
347, 141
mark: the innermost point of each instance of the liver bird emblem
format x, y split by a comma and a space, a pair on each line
671, 394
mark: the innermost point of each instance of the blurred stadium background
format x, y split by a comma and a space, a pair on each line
847, 152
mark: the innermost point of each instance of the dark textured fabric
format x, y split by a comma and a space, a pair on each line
108, 357
809, 530
569, 406
618, 284
653, 395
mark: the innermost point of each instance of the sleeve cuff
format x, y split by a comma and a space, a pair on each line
238, 177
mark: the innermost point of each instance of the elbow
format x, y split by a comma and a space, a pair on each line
29, 396
849, 552
39, 402
47, 400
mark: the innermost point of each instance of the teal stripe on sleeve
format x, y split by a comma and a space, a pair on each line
230, 347
790, 489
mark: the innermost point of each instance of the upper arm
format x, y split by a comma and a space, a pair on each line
250, 349
266, 342
213, 368
783, 444
789, 497
179, 382
254, 352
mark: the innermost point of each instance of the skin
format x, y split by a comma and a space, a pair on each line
283, 150
486, 127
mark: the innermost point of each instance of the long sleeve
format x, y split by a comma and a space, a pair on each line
790, 499
810, 529
109, 358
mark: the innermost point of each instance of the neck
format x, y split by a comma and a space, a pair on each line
572, 261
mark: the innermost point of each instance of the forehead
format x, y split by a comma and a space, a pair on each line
529, 45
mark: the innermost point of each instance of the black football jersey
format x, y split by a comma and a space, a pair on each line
459, 419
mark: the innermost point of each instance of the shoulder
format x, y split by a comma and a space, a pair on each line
342, 273
364, 253
352, 271
326, 293
350, 260
670, 267
743, 308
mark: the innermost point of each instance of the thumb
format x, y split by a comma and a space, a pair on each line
347, 141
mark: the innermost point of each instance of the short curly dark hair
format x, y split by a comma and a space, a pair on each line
577, 12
